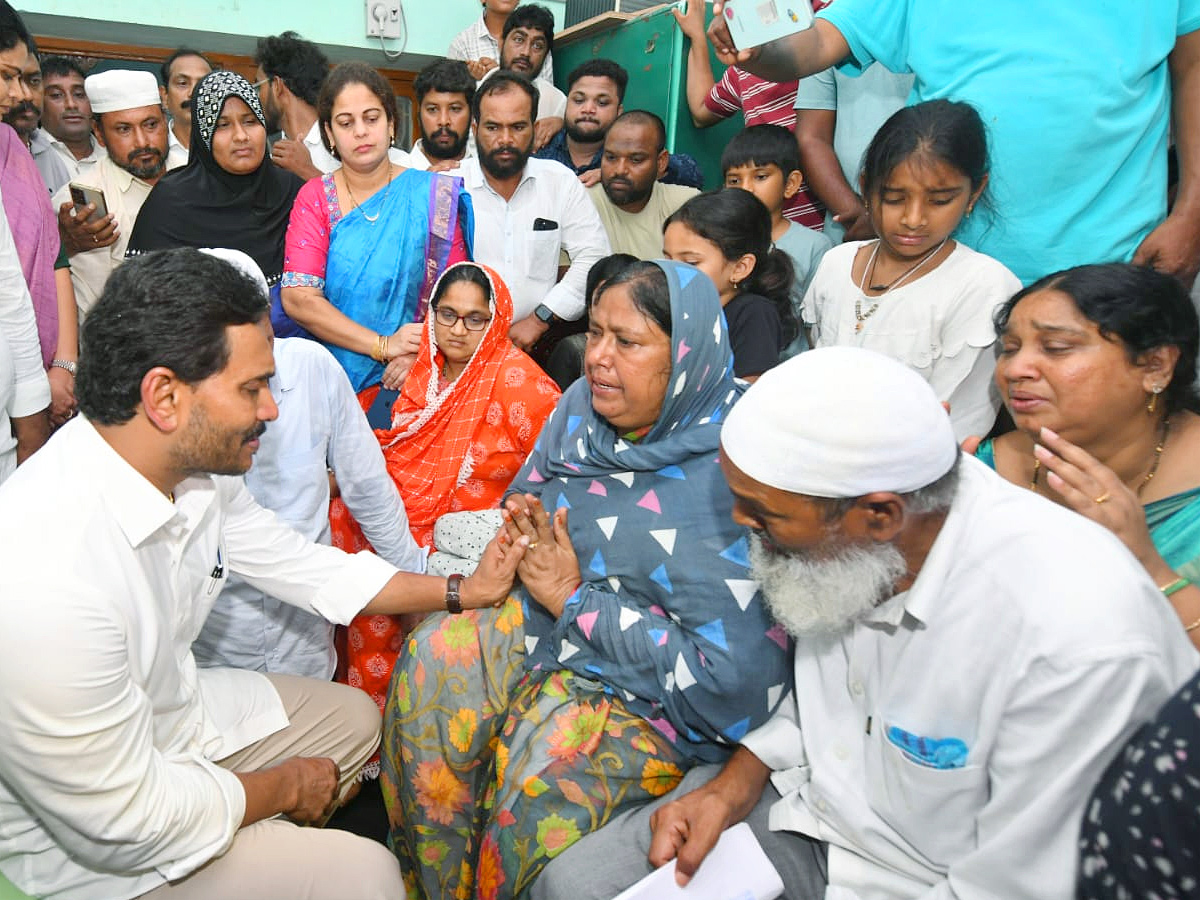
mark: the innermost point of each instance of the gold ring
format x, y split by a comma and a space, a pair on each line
1103, 498
533, 545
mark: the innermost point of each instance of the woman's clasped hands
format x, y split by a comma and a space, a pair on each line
549, 568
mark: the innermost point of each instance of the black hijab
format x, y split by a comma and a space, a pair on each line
202, 205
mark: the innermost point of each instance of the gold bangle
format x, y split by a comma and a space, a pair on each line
1177, 585
1193, 626
380, 353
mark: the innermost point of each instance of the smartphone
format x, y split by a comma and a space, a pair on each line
755, 22
83, 194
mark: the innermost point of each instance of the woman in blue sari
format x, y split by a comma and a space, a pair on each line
1097, 367
367, 242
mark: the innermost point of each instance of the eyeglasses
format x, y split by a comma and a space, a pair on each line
471, 321
259, 84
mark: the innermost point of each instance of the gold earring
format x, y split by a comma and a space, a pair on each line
1153, 404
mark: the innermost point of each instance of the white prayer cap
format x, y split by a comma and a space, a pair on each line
840, 422
119, 89
244, 263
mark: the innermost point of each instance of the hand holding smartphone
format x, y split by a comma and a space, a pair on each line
83, 194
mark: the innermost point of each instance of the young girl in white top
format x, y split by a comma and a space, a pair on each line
915, 293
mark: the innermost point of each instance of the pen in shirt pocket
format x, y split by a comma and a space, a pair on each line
216, 574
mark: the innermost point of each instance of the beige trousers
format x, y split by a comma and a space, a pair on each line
278, 860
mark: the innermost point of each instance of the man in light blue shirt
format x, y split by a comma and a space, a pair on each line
1077, 100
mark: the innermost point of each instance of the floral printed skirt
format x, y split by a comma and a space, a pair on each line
490, 771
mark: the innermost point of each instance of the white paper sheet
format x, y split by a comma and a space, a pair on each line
736, 869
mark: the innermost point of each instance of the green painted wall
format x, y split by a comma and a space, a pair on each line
232, 26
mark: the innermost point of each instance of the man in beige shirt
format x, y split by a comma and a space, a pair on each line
631, 201
128, 119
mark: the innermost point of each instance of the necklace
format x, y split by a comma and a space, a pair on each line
350, 191
860, 316
1158, 452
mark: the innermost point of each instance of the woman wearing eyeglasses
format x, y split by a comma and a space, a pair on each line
470, 411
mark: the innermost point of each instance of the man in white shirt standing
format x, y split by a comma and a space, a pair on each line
478, 45
290, 73
968, 659
130, 122
128, 772
526, 44
320, 432
444, 91
289, 77
181, 72
527, 211
67, 117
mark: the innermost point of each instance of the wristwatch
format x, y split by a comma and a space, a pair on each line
67, 364
545, 314
453, 600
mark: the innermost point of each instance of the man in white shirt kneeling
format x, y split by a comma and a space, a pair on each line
128, 771
968, 659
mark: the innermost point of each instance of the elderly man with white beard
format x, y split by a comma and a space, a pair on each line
969, 656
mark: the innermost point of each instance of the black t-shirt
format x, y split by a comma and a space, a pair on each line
755, 333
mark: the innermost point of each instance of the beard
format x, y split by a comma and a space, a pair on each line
812, 596
271, 113
626, 193
145, 163
585, 132
207, 448
499, 167
452, 150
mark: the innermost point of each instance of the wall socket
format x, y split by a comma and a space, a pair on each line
383, 18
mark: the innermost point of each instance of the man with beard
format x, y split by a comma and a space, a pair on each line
25, 118
527, 211
633, 204
595, 93
444, 91
67, 117
128, 772
479, 44
289, 76
128, 119
968, 657
527, 40
180, 71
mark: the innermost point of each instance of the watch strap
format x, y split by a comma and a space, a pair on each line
453, 599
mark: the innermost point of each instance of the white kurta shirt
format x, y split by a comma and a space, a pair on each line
1033, 636
177, 154
108, 731
320, 427
527, 259
79, 169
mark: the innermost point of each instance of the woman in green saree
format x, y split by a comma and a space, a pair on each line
1097, 367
